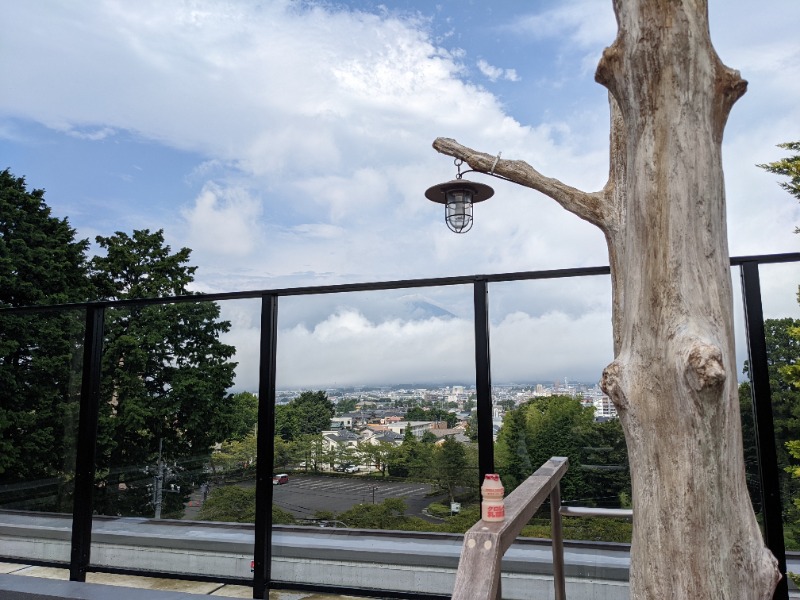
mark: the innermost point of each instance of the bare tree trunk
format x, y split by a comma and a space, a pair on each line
673, 377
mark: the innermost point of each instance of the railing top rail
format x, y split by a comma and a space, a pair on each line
590, 511
369, 286
486, 543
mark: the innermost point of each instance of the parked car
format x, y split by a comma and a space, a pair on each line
351, 469
335, 524
280, 479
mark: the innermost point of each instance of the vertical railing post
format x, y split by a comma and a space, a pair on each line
483, 380
87, 442
557, 543
265, 449
769, 474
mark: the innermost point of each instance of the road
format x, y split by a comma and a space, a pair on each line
304, 495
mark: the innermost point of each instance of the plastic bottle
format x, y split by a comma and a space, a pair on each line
493, 508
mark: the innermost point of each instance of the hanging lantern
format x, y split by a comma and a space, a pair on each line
458, 196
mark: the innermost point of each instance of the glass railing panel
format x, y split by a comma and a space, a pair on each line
374, 393
40, 379
550, 342
779, 291
176, 411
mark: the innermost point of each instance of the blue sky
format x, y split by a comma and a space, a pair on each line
289, 143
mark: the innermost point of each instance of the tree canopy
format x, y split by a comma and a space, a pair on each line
560, 426
309, 413
41, 262
165, 373
788, 167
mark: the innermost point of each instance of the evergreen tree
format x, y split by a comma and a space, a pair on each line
165, 372
605, 464
551, 426
41, 263
313, 412
788, 167
309, 413
412, 458
511, 450
449, 468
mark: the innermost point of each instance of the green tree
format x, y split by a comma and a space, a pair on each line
472, 427
605, 464
230, 503
234, 504
377, 454
346, 405
793, 448
242, 411
283, 454
309, 448
165, 372
412, 458
511, 450
235, 455
285, 422
559, 426
554, 426
313, 411
41, 262
417, 413
389, 514
788, 167
309, 413
449, 467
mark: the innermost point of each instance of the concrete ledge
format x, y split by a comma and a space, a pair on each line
16, 587
372, 561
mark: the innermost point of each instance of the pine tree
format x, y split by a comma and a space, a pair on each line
789, 167
165, 372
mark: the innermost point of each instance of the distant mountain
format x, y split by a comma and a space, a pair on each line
418, 307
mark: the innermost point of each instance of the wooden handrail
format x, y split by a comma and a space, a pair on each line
478, 576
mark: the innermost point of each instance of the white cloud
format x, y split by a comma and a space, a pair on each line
347, 348
495, 73
586, 23
94, 134
223, 221
311, 125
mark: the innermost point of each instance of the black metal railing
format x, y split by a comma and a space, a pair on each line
90, 395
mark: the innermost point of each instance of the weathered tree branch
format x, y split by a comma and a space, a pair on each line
589, 206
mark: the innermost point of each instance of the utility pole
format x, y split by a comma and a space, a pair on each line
158, 487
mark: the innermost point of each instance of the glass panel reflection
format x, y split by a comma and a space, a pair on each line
40, 377
550, 343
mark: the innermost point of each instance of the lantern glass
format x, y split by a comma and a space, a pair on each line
458, 210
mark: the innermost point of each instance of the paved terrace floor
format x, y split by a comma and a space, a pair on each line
219, 590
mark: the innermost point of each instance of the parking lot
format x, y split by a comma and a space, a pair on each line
305, 495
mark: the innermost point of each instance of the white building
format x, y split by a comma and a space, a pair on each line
418, 428
604, 407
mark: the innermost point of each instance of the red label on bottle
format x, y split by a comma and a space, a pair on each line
496, 512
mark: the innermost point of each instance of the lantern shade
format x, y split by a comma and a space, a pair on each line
458, 196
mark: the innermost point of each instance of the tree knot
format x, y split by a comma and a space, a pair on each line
611, 384
704, 368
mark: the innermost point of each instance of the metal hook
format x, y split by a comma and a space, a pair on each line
458, 162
